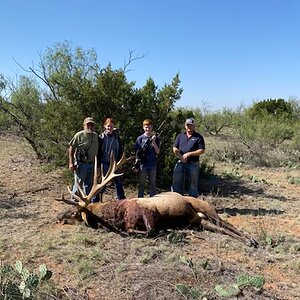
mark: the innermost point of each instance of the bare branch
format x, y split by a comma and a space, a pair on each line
46, 81
28, 71
131, 59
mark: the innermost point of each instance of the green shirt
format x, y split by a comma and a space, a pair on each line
85, 146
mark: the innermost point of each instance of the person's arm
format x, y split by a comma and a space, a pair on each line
199, 151
155, 146
71, 151
177, 153
193, 153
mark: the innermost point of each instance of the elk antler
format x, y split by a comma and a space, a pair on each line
83, 199
68, 201
111, 174
113, 167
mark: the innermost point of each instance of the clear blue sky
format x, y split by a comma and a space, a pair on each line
227, 52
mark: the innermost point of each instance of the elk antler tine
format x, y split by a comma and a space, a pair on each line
95, 171
101, 172
75, 196
122, 161
79, 188
110, 174
112, 168
130, 158
68, 201
112, 165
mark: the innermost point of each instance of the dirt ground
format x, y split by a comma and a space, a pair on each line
95, 264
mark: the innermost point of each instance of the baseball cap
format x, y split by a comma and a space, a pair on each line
88, 120
190, 121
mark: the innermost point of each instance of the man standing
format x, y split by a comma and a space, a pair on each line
147, 149
83, 148
188, 146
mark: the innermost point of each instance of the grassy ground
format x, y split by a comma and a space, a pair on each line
95, 264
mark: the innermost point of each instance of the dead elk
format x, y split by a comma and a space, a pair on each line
146, 215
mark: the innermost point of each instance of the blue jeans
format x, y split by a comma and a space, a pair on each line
84, 174
117, 182
143, 174
186, 173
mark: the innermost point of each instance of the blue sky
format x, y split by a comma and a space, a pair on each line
227, 52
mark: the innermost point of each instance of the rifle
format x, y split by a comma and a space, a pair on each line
140, 153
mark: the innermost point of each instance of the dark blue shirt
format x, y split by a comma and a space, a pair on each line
193, 143
148, 160
108, 144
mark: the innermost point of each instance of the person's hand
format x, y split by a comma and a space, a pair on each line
153, 140
185, 157
72, 167
183, 160
180, 156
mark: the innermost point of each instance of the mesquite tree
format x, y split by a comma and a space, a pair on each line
67, 85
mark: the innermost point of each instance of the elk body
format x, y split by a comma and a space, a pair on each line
147, 215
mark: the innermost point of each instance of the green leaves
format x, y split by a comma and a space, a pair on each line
243, 281
19, 266
227, 291
188, 292
176, 237
44, 274
247, 280
73, 86
277, 108
19, 282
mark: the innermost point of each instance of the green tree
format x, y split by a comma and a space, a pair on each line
72, 87
216, 121
278, 108
4, 118
25, 110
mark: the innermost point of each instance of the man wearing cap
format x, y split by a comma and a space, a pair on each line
82, 150
188, 147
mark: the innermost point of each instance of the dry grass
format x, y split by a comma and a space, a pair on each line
101, 265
